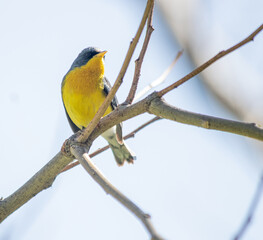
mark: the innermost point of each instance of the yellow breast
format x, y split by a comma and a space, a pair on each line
82, 92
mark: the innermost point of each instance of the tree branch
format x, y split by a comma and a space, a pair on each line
160, 108
209, 62
41, 180
157, 106
152, 104
85, 134
139, 60
94, 172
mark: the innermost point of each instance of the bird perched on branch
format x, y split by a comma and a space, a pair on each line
84, 89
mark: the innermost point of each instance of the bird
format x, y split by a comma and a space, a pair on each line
83, 90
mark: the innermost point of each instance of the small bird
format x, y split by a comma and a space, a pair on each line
83, 90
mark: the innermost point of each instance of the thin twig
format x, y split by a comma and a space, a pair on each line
139, 60
131, 134
209, 62
94, 172
160, 79
85, 134
251, 210
100, 150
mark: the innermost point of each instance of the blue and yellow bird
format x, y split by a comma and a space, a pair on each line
84, 89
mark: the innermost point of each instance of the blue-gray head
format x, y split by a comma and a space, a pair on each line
85, 56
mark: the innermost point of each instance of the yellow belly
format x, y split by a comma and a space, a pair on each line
82, 94
82, 108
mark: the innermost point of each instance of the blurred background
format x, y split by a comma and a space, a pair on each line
195, 183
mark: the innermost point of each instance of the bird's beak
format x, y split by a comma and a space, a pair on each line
101, 54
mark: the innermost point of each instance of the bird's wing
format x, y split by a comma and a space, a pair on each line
114, 104
107, 88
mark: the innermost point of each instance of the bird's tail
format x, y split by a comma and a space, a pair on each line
122, 153
120, 150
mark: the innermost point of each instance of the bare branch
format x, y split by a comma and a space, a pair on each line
139, 60
41, 180
85, 134
164, 110
251, 210
100, 150
160, 79
209, 62
94, 172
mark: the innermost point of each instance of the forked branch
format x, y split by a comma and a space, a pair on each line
100, 150
139, 60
